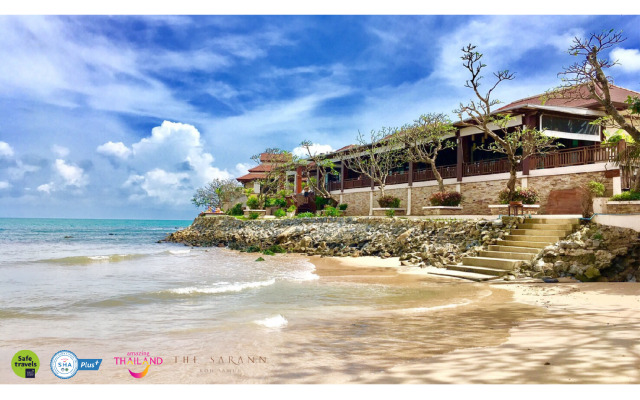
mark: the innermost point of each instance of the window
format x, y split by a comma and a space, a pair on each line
569, 125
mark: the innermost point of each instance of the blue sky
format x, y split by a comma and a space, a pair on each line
124, 116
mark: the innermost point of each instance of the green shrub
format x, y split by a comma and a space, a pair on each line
282, 203
276, 249
268, 252
252, 249
390, 213
596, 188
236, 210
450, 199
332, 212
342, 206
389, 202
626, 196
259, 259
306, 215
292, 208
526, 196
321, 202
253, 203
279, 213
254, 215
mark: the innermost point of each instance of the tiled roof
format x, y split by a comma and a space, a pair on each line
618, 96
251, 176
261, 168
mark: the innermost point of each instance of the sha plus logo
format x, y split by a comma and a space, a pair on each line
65, 364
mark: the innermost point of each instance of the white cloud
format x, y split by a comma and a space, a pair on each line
314, 149
4, 185
60, 151
5, 150
46, 188
118, 150
72, 174
242, 169
20, 169
628, 59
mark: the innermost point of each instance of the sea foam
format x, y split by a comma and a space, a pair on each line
234, 287
274, 322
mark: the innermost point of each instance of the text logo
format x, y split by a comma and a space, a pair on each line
138, 360
65, 364
25, 364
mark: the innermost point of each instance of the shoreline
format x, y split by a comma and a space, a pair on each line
586, 332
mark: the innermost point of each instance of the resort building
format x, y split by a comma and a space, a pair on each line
269, 164
479, 175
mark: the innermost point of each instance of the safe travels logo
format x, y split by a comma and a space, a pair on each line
65, 364
138, 360
25, 364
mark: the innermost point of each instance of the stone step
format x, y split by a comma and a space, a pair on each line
515, 249
464, 275
541, 232
507, 255
529, 238
488, 262
537, 245
572, 221
478, 270
547, 226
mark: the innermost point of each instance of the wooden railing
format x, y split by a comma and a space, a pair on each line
396, 179
583, 155
357, 183
422, 175
487, 167
334, 186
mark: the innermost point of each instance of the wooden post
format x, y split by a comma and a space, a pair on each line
373, 183
342, 177
526, 165
459, 159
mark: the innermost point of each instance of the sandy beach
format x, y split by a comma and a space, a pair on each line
566, 332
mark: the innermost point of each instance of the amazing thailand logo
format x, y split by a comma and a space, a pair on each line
138, 360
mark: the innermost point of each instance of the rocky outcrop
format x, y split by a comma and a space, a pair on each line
593, 253
434, 242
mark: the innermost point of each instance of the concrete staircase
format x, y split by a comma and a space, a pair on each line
521, 244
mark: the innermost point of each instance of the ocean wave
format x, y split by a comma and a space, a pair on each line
178, 252
274, 322
234, 287
81, 260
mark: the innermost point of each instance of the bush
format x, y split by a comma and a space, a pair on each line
292, 208
236, 210
526, 196
252, 249
390, 213
450, 199
321, 202
389, 202
342, 206
268, 253
253, 202
279, 213
276, 249
254, 215
332, 212
306, 215
626, 196
596, 188
282, 203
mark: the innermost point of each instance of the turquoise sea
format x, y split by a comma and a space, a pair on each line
105, 288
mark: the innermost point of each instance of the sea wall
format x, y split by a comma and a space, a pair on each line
422, 242
593, 253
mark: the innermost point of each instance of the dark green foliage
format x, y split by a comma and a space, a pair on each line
254, 215
253, 203
279, 213
389, 202
252, 249
236, 210
342, 206
268, 253
332, 212
259, 259
626, 196
277, 249
390, 213
306, 215
321, 202
450, 199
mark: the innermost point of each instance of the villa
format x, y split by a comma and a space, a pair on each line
479, 175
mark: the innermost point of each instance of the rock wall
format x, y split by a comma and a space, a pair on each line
358, 203
477, 196
593, 253
427, 242
545, 184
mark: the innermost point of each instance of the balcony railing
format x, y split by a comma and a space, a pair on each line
580, 156
423, 175
487, 167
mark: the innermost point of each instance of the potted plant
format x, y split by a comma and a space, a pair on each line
444, 203
388, 203
523, 197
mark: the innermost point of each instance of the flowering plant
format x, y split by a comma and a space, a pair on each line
526, 196
451, 199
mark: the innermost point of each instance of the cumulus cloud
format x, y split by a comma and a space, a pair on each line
242, 169
46, 187
628, 59
314, 149
4, 185
59, 151
5, 150
111, 149
71, 174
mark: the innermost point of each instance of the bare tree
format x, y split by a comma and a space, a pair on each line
318, 162
375, 156
217, 192
425, 138
517, 143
